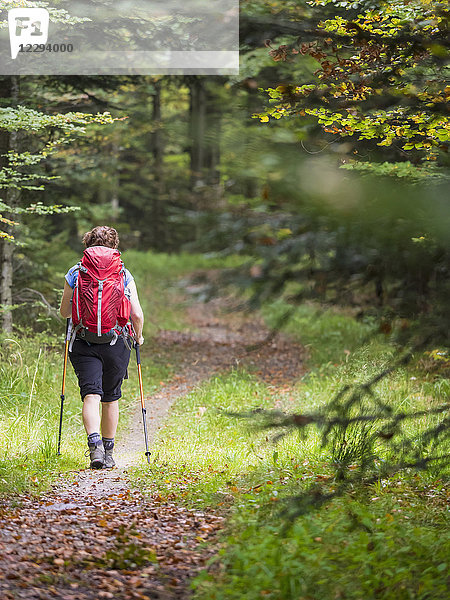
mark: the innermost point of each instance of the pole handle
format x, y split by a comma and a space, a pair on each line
138, 353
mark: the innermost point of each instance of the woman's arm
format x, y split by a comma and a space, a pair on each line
137, 314
66, 307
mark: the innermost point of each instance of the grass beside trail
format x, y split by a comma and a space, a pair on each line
159, 279
30, 391
387, 541
31, 373
30, 388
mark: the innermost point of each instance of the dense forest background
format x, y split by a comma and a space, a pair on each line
312, 187
325, 161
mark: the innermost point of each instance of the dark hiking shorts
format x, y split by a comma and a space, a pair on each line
100, 368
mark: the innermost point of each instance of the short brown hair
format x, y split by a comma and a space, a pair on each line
101, 236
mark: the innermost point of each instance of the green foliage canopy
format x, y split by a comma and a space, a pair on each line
382, 76
58, 15
48, 134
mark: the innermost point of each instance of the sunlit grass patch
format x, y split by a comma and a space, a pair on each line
328, 335
373, 542
30, 388
206, 455
158, 280
31, 374
350, 550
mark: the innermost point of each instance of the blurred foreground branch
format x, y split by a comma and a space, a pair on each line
366, 438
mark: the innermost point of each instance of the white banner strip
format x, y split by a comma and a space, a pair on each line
132, 62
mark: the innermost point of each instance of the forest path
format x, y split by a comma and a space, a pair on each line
92, 536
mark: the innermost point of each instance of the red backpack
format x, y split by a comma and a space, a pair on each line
100, 308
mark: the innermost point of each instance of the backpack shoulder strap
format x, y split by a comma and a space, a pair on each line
76, 269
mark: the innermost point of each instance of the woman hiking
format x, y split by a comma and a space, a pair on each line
100, 297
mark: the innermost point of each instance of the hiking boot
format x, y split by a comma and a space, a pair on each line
109, 460
97, 456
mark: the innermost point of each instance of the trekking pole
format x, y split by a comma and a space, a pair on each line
66, 351
144, 410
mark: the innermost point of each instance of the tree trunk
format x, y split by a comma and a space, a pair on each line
9, 89
213, 131
115, 204
158, 208
197, 128
204, 132
6, 285
251, 184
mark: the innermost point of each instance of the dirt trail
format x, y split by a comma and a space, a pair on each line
92, 536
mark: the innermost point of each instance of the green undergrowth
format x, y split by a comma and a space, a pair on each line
30, 399
205, 456
30, 388
31, 374
211, 448
380, 548
387, 540
329, 336
161, 287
